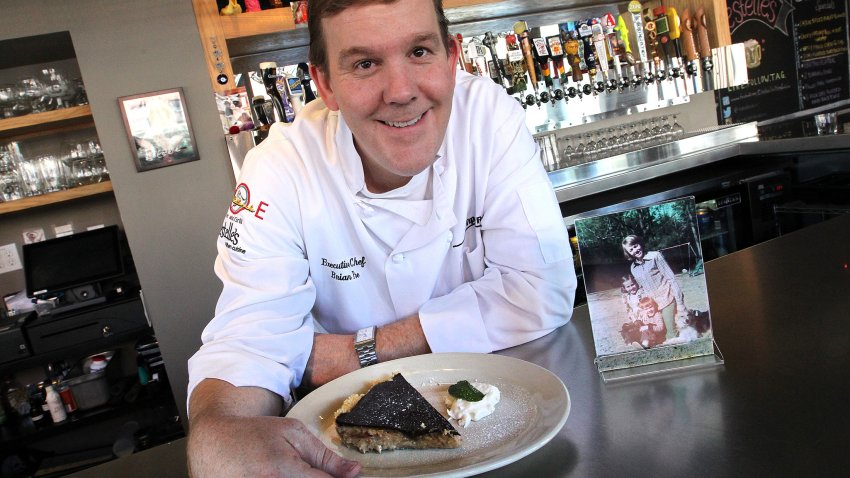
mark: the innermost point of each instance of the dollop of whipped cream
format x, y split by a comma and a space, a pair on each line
465, 412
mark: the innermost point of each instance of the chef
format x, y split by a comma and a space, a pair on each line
407, 212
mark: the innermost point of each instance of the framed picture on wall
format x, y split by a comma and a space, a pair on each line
158, 128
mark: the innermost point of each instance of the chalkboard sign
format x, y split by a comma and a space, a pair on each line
797, 58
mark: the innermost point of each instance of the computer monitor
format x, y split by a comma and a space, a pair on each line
73, 265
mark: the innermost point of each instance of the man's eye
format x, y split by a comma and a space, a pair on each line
419, 52
364, 64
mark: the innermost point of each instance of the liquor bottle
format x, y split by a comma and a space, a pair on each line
268, 70
36, 411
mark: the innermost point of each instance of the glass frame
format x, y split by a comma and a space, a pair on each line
158, 129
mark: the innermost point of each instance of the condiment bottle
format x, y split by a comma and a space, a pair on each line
98, 363
54, 403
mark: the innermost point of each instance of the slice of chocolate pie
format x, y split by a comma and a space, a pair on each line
393, 415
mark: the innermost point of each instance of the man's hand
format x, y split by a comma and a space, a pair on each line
333, 354
226, 440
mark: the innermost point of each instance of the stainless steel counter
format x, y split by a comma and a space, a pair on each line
691, 152
777, 407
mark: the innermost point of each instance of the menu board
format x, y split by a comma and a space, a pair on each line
797, 58
821, 46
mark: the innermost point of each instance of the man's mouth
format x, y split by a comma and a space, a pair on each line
403, 124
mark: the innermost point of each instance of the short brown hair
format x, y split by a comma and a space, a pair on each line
318, 9
628, 241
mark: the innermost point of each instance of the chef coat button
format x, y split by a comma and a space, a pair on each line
439, 216
450, 237
398, 258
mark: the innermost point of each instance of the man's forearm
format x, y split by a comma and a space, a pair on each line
217, 398
333, 355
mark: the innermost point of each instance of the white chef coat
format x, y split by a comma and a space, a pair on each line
475, 244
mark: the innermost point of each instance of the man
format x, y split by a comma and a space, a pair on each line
411, 198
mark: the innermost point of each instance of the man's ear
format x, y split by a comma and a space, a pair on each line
323, 84
454, 50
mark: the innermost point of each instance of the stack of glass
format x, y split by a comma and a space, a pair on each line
603, 143
45, 173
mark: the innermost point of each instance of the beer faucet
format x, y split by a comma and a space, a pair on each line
521, 29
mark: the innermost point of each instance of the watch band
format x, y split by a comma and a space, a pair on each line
364, 345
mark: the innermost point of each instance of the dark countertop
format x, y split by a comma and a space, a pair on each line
777, 407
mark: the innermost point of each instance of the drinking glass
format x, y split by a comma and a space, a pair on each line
10, 179
826, 123
7, 100
33, 182
52, 173
677, 129
30, 93
567, 152
579, 154
56, 86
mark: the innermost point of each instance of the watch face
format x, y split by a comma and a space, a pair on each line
364, 334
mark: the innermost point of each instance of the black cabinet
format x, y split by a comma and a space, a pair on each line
87, 327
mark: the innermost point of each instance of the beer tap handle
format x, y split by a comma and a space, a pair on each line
688, 41
623, 36
521, 29
490, 43
585, 33
675, 25
541, 53
571, 47
635, 8
557, 51
464, 61
702, 34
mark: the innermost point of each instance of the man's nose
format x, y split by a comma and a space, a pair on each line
400, 84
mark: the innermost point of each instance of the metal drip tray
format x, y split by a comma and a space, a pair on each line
699, 148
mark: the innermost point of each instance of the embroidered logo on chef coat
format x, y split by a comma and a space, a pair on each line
242, 202
474, 221
344, 270
230, 233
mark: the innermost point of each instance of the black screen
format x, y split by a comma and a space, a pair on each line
79, 259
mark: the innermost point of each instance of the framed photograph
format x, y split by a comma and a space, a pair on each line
158, 128
645, 280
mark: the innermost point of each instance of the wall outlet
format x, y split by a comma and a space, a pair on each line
9, 258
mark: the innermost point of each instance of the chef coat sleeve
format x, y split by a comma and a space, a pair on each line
528, 283
262, 332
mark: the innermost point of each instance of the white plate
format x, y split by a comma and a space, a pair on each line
534, 407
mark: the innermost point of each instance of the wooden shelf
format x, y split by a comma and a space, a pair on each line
28, 124
56, 197
256, 23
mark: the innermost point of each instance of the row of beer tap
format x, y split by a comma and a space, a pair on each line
595, 56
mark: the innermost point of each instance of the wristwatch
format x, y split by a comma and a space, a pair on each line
364, 345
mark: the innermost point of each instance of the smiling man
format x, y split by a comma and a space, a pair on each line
405, 213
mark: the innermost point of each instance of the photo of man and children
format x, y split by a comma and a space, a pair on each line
644, 277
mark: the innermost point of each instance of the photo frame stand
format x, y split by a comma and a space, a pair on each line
662, 360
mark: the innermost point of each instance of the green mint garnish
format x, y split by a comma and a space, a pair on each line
465, 391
